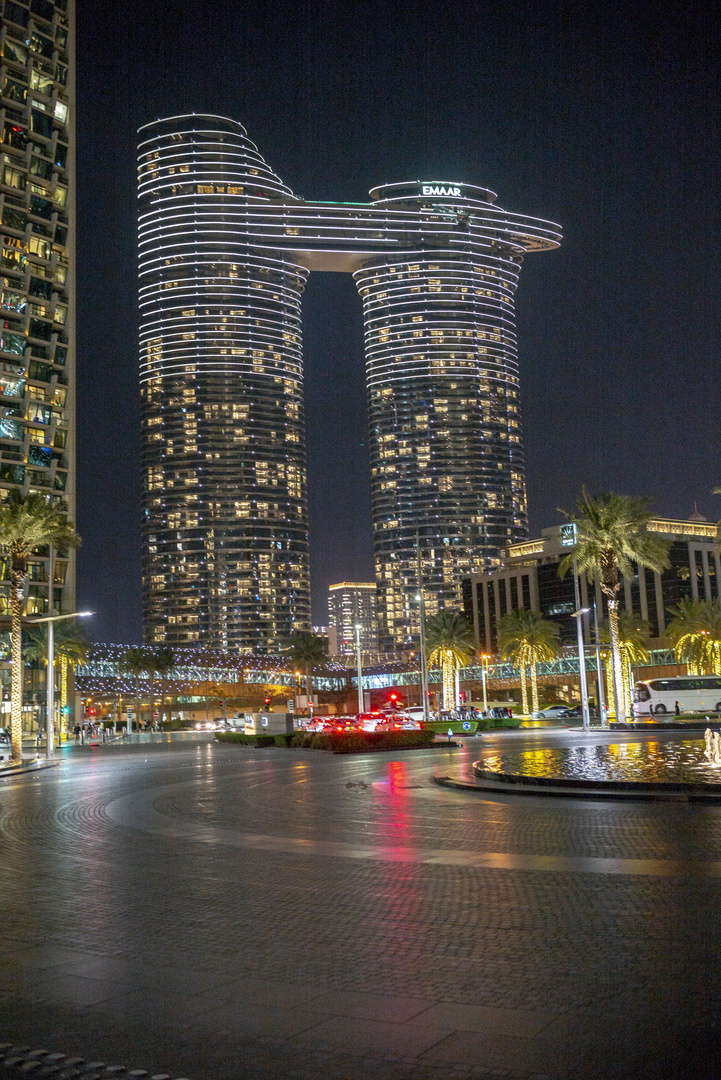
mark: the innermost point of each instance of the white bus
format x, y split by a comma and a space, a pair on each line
694, 693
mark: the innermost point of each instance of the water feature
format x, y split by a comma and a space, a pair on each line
656, 760
713, 747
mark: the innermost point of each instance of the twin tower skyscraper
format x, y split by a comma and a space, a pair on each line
225, 251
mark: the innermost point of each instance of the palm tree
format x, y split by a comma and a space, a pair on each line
27, 522
307, 651
528, 639
70, 647
633, 635
163, 662
612, 536
695, 632
136, 662
450, 642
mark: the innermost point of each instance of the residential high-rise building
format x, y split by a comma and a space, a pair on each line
351, 604
37, 211
225, 532
225, 249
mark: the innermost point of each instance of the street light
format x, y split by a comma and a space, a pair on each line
484, 676
582, 658
569, 538
359, 662
599, 672
50, 680
424, 663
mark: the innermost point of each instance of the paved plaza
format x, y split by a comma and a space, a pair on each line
225, 913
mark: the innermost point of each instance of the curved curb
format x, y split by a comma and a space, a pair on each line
32, 766
629, 794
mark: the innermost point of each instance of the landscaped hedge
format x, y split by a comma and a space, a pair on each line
249, 740
357, 741
498, 722
352, 742
441, 726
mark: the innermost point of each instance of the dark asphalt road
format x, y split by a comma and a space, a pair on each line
221, 912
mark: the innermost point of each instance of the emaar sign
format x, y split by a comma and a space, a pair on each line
439, 189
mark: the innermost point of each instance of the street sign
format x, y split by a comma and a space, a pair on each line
568, 534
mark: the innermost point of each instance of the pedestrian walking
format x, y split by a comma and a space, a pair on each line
676, 709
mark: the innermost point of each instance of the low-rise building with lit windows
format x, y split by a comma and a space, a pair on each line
528, 578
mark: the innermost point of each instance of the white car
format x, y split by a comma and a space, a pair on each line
398, 722
553, 712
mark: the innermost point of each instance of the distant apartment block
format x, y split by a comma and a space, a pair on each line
351, 604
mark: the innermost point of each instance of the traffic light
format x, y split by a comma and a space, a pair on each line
266, 701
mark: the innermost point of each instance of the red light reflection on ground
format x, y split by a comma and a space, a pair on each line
396, 824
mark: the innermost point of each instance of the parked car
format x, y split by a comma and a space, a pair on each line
553, 712
367, 721
398, 722
336, 725
576, 712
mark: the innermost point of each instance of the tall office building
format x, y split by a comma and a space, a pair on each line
351, 604
225, 249
37, 339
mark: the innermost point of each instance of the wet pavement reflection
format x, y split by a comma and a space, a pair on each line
220, 911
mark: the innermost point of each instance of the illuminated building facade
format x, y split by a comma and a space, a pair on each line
528, 578
225, 249
351, 604
37, 325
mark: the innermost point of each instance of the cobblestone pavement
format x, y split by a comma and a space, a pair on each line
224, 912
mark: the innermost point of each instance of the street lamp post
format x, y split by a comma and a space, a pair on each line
422, 618
569, 538
484, 676
579, 613
599, 670
359, 662
50, 681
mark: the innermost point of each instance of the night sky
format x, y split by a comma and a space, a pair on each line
602, 117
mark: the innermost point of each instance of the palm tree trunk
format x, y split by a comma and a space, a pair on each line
17, 581
524, 689
63, 688
629, 686
447, 682
616, 659
624, 678
534, 689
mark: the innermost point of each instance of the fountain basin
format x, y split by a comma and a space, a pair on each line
673, 767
